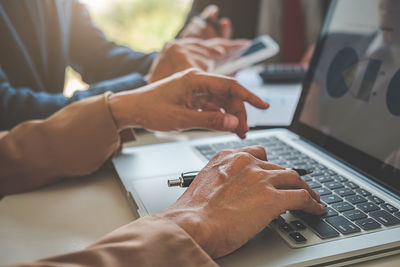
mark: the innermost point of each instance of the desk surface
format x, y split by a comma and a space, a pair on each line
73, 214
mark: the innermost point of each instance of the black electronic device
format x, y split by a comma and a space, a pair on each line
283, 73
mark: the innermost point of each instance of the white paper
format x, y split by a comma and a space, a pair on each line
283, 99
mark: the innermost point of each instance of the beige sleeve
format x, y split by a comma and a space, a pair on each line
148, 241
75, 141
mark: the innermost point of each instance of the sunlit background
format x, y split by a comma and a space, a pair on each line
144, 25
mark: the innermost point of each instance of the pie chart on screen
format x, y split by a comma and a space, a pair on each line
393, 95
341, 72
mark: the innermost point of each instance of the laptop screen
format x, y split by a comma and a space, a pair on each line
351, 102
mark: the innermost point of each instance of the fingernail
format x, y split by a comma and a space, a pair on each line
230, 122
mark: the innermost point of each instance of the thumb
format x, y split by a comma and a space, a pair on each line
211, 11
226, 28
213, 120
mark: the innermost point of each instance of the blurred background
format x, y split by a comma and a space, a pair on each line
144, 25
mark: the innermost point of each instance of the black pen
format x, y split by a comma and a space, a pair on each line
187, 178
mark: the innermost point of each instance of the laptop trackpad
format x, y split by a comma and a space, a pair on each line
155, 194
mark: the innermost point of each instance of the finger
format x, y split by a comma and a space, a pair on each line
210, 32
210, 120
266, 165
218, 84
208, 106
211, 11
256, 151
226, 28
201, 62
301, 200
289, 179
236, 107
214, 51
200, 51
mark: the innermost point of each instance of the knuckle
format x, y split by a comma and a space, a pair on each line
223, 153
188, 76
234, 82
275, 166
295, 176
190, 73
174, 45
305, 196
260, 148
244, 157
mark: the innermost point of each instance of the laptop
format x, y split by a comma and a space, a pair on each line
346, 129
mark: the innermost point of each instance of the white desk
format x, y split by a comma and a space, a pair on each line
73, 214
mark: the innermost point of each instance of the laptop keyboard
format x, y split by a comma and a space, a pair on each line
350, 208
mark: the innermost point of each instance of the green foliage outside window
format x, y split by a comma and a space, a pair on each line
144, 25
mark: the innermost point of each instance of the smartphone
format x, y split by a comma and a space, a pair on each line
261, 48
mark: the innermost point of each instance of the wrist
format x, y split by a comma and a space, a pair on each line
123, 114
198, 228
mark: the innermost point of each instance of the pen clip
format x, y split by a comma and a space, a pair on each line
189, 174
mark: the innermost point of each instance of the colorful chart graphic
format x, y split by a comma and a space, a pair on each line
393, 95
341, 72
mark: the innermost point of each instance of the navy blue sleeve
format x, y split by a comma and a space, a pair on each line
22, 104
95, 57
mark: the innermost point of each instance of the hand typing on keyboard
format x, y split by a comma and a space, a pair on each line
235, 196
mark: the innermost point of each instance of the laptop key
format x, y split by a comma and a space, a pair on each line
329, 199
322, 191
342, 206
313, 184
317, 173
384, 217
209, 156
368, 224
279, 220
340, 178
363, 192
344, 192
343, 225
297, 237
351, 185
306, 178
298, 225
334, 185
329, 212
355, 215
367, 207
376, 200
355, 199
389, 208
285, 227
321, 167
330, 172
321, 228
397, 214
323, 179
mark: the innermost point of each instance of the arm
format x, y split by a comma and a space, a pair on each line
79, 138
207, 220
74, 141
22, 104
182, 234
148, 241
